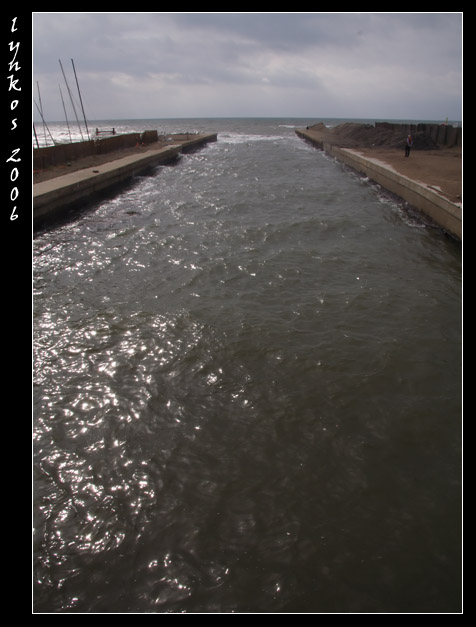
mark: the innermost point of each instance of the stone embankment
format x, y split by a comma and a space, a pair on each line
89, 177
416, 180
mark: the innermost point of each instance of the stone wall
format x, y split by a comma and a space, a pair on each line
62, 153
441, 134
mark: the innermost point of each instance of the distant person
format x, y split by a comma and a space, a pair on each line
408, 145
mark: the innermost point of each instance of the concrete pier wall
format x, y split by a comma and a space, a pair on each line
56, 196
62, 153
443, 212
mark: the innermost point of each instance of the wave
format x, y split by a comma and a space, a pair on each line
243, 138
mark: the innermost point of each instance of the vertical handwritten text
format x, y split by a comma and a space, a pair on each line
13, 90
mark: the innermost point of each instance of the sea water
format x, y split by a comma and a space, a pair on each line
247, 390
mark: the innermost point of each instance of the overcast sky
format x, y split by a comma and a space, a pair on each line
311, 65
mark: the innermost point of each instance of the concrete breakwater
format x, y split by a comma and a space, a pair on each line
58, 154
52, 198
62, 153
428, 201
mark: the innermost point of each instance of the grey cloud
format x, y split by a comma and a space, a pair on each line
305, 52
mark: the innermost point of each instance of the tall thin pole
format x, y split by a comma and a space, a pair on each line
71, 98
80, 99
65, 114
40, 108
34, 131
41, 113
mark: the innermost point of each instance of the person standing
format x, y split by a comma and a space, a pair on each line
408, 145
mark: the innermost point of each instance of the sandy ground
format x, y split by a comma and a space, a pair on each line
436, 166
440, 169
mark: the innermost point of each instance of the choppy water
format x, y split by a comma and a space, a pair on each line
247, 392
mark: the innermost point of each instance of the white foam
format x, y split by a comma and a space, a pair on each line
243, 138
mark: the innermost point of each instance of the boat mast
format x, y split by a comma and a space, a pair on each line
40, 109
36, 137
65, 114
80, 99
44, 123
71, 98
